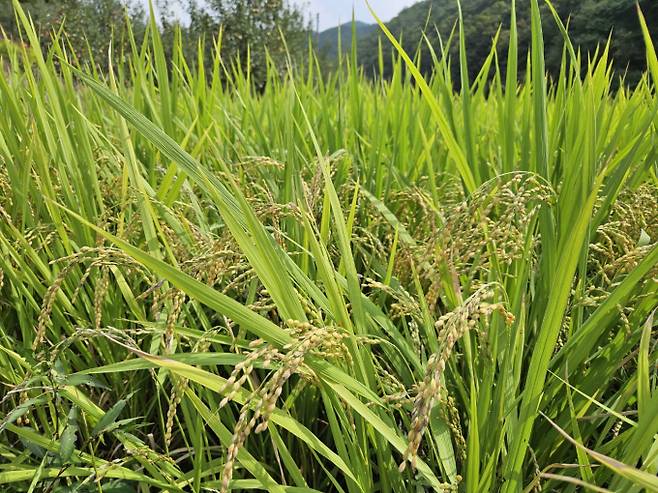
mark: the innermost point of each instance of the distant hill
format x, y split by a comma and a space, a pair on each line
437, 18
328, 39
591, 21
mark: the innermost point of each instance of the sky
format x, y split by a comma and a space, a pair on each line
334, 12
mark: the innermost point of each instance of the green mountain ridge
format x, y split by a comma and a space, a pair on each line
327, 40
590, 24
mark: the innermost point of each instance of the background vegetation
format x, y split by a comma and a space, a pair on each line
252, 32
90, 24
590, 24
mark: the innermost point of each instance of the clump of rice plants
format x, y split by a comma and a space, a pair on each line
333, 284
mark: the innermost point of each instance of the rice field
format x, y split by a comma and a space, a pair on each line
335, 284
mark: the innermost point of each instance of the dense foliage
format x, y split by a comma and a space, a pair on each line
248, 31
252, 32
91, 25
591, 22
329, 283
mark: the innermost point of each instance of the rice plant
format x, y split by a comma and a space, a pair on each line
330, 284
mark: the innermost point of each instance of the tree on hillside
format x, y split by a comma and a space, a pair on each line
90, 25
251, 30
44, 13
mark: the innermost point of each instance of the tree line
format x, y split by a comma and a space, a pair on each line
253, 31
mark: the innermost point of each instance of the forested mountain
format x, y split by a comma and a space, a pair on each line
590, 24
327, 40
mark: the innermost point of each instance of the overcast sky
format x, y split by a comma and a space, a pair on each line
333, 12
